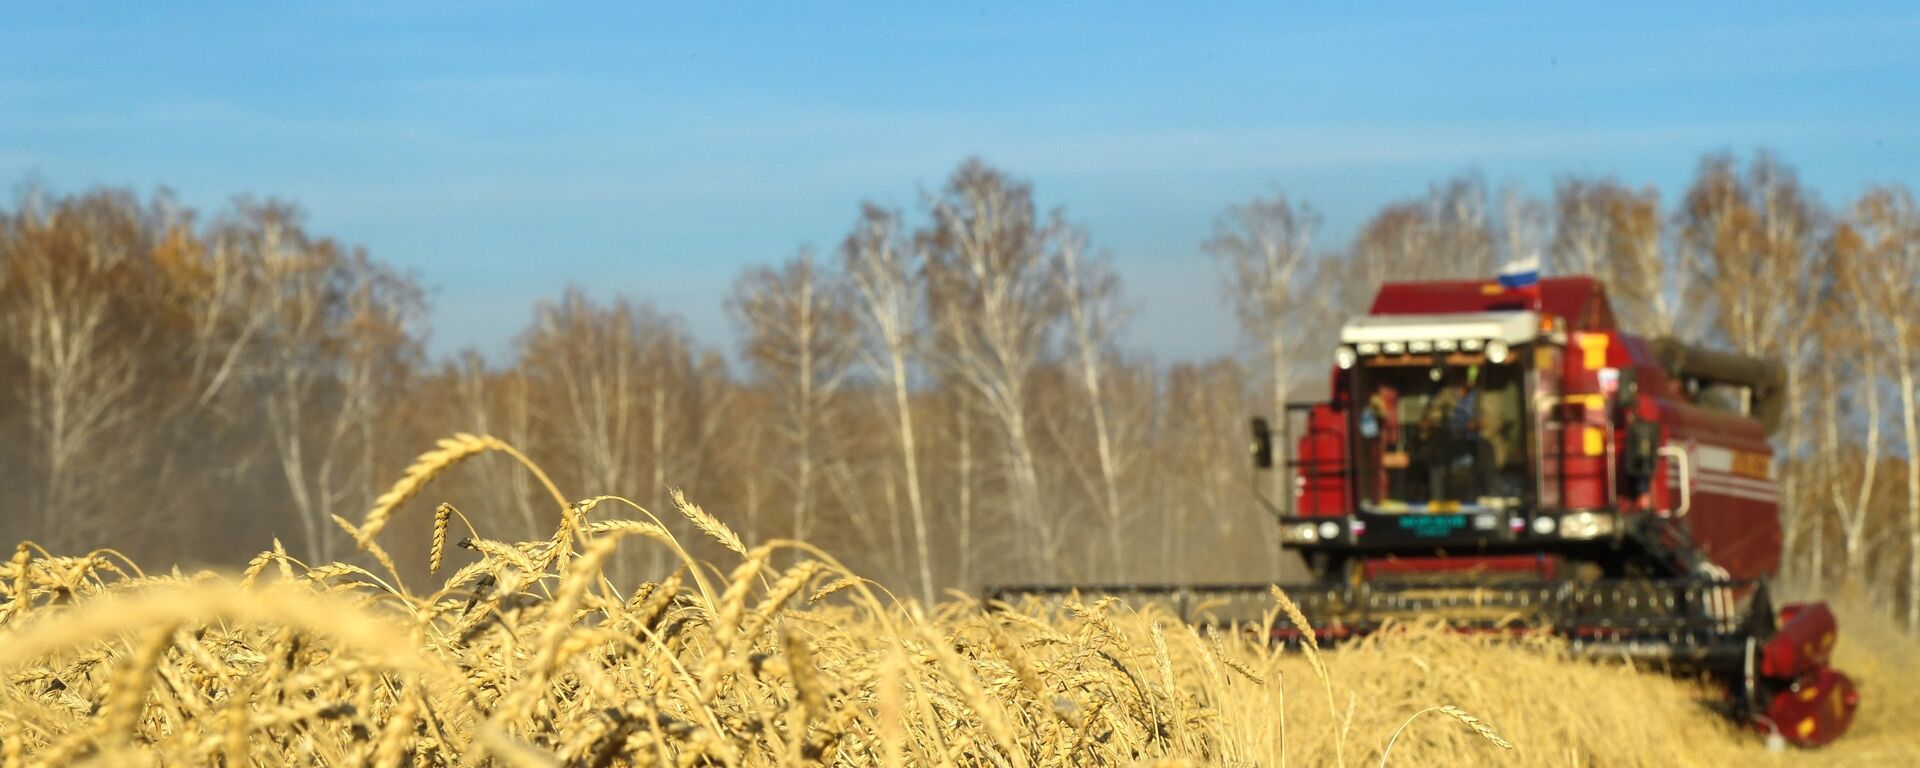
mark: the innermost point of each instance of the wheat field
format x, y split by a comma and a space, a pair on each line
778, 655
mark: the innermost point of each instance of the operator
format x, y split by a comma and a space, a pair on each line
1496, 419
1499, 428
1465, 406
1443, 428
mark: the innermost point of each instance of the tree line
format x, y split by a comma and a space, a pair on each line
944, 398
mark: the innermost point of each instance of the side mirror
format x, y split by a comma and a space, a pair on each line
1262, 447
1643, 448
1629, 395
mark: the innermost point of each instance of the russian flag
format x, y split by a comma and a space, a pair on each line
1521, 274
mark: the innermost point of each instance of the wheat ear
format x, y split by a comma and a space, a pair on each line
1478, 726
446, 453
707, 523
441, 514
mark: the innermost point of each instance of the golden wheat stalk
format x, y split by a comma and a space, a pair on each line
707, 523
1480, 727
1319, 665
127, 700
22, 594
1226, 657
832, 587
446, 453
783, 590
255, 567
438, 549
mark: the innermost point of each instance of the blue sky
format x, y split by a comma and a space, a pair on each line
503, 151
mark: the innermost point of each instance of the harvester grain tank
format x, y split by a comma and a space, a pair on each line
1505, 458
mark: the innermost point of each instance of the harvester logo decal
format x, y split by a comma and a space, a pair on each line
1728, 472
1755, 465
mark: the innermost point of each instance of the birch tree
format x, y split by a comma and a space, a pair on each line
1850, 364
1642, 274
585, 370
800, 343
1889, 225
71, 272
1609, 231
887, 275
1266, 245
1089, 294
994, 311
488, 403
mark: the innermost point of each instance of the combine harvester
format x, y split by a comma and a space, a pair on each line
1498, 454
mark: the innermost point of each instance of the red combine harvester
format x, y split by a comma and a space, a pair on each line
1509, 460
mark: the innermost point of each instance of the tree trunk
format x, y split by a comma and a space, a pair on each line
1910, 423
909, 455
964, 415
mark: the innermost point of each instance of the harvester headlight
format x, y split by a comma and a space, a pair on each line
1470, 345
1298, 533
1586, 525
1369, 348
1345, 357
1394, 347
1329, 530
1420, 346
1445, 345
1496, 352
1543, 525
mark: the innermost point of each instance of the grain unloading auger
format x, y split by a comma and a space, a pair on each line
1502, 458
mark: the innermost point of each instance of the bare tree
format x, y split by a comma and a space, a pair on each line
1641, 276
1266, 245
1889, 225
800, 342
336, 341
585, 370
887, 276
1848, 328
1459, 233
78, 347
1445, 235
1203, 453
994, 310
1525, 225
1583, 232
1609, 231
489, 403
1089, 296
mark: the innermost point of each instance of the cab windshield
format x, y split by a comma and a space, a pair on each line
1439, 433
